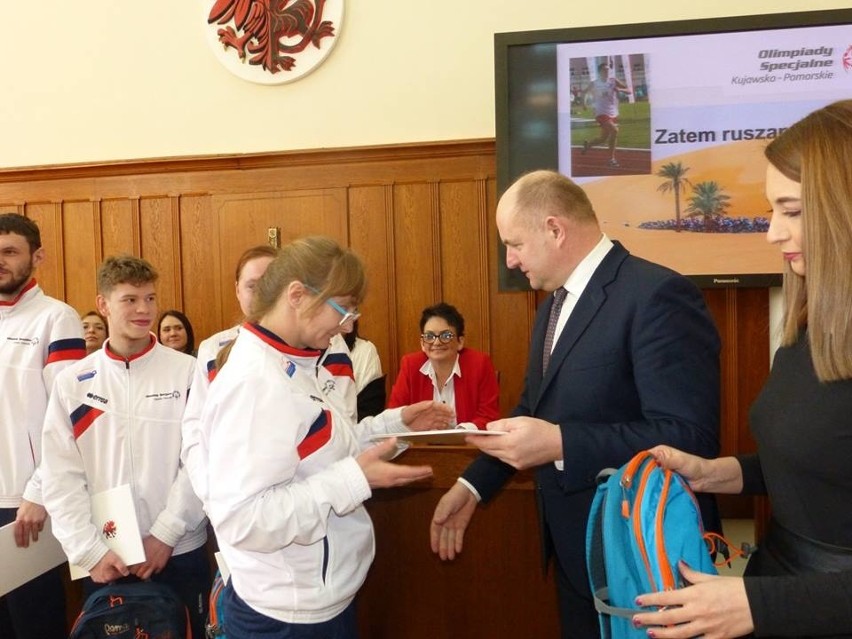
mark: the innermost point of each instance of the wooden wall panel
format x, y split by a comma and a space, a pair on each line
371, 237
159, 231
51, 272
203, 287
512, 316
80, 238
120, 233
742, 317
417, 242
464, 267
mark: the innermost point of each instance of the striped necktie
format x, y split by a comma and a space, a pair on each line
558, 298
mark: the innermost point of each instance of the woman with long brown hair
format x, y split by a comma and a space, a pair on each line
798, 583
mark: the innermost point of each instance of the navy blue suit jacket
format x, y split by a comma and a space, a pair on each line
636, 365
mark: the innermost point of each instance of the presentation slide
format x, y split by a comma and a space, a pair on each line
666, 134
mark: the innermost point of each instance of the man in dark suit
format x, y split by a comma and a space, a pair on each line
629, 359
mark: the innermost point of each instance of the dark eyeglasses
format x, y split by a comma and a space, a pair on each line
445, 337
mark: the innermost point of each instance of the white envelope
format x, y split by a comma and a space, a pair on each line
21, 565
114, 516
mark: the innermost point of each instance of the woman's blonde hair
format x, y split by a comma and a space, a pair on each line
319, 263
817, 152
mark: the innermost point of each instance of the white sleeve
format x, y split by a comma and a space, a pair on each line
64, 347
193, 441
366, 363
256, 426
66, 496
183, 511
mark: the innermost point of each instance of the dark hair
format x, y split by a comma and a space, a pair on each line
189, 349
446, 312
20, 225
351, 336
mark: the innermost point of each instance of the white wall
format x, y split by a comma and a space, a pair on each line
120, 79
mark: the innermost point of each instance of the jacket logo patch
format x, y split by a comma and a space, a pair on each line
97, 398
82, 377
289, 367
24, 341
158, 397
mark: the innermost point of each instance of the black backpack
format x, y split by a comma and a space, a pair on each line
143, 610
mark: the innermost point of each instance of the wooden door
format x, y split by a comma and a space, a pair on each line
247, 219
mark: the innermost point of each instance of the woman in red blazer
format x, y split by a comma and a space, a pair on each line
447, 372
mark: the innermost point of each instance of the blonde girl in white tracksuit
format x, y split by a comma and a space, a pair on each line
285, 473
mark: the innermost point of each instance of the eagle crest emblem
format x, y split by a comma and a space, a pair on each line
110, 530
280, 39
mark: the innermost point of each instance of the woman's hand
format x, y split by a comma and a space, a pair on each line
384, 474
427, 415
721, 475
712, 607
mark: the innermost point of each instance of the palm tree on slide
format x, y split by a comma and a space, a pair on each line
674, 173
708, 200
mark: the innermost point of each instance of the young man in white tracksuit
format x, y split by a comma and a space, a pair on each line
114, 418
39, 336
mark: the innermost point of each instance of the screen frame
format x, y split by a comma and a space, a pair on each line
503, 42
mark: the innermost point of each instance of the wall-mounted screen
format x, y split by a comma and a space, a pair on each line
664, 126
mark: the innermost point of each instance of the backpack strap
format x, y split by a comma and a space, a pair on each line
602, 596
605, 474
594, 544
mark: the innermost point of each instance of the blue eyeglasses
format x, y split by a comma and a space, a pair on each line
348, 316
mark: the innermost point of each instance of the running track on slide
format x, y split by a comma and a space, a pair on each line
596, 162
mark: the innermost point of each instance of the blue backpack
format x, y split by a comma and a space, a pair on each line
215, 615
131, 611
643, 521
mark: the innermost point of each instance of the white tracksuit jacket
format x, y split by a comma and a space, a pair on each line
284, 489
113, 421
334, 375
39, 336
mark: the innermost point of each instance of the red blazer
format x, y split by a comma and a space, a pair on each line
477, 393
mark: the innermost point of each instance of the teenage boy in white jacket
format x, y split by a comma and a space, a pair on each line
114, 418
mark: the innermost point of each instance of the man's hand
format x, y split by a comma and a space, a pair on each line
29, 522
528, 442
108, 569
428, 415
452, 515
384, 474
157, 555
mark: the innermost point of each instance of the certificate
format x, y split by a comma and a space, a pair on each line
452, 436
21, 565
114, 515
